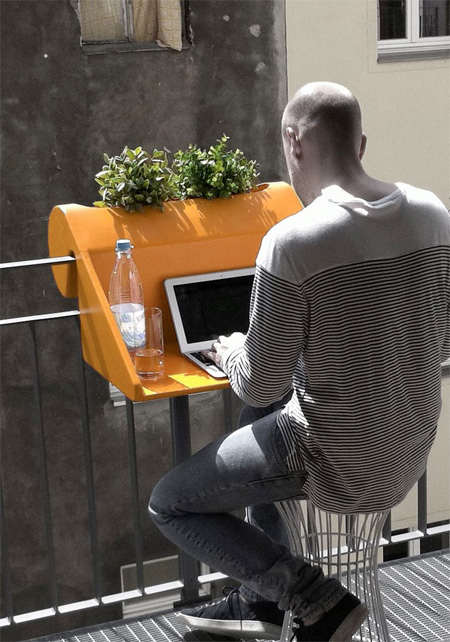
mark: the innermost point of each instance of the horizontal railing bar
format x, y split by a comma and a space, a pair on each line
412, 535
36, 262
78, 606
163, 588
211, 577
108, 599
406, 537
34, 615
122, 597
40, 317
170, 586
437, 530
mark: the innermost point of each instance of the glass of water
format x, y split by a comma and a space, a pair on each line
149, 358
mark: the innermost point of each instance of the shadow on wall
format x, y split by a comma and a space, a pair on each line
62, 110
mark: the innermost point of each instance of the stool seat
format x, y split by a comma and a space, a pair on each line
345, 546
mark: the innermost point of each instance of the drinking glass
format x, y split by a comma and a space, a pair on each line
149, 359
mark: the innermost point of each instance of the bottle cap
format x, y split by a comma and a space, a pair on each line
123, 245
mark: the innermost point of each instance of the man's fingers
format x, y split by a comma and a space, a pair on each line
210, 354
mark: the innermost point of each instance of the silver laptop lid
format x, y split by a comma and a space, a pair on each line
204, 306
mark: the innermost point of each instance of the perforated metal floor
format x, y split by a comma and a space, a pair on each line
416, 597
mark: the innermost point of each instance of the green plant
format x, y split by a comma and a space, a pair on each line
216, 172
134, 178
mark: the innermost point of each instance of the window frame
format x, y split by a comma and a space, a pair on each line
127, 44
412, 46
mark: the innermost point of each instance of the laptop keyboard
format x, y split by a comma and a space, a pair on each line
207, 364
203, 358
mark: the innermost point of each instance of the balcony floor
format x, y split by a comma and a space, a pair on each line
416, 596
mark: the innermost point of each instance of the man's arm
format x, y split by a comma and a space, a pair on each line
260, 365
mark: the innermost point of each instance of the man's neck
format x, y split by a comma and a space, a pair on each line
365, 187
357, 183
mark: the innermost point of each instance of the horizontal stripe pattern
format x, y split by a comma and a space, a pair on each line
362, 344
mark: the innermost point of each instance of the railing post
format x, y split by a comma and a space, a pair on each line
181, 450
135, 496
87, 455
227, 414
422, 507
387, 528
43, 472
6, 571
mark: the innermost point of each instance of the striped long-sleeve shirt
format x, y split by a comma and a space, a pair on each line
351, 308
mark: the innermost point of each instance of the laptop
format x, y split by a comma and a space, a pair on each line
204, 306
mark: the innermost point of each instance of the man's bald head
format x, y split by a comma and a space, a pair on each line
322, 138
327, 110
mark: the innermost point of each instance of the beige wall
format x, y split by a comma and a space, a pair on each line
406, 106
406, 116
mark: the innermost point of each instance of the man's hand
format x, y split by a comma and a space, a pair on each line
223, 345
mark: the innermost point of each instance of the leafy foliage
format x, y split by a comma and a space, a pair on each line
216, 172
134, 178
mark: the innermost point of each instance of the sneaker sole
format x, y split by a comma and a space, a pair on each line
350, 625
245, 629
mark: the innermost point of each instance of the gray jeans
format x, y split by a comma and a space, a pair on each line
193, 505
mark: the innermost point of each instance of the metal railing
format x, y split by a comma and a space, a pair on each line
189, 580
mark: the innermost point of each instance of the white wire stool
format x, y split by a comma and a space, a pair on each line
346, 547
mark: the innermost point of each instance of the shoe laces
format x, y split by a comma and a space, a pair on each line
227, 591
230, 592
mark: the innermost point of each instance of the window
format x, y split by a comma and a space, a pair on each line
413, 29
128, 25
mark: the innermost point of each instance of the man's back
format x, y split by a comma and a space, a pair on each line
366, 287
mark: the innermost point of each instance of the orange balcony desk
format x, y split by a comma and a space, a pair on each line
188, 237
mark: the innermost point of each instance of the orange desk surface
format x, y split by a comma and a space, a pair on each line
181, 377
188, 237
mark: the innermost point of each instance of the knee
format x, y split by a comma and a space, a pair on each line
159, 504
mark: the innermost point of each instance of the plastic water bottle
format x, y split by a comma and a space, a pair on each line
126, 297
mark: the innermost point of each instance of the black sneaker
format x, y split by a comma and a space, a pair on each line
234, 616
336, 625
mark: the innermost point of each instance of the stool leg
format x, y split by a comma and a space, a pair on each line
377, 610
374, 629
295, 524
312, 535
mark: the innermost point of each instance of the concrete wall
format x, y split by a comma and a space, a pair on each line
60, 111
405, 109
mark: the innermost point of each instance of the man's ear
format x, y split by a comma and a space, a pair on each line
362, 147
294, 142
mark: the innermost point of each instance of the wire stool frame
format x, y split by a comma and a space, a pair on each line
346, 547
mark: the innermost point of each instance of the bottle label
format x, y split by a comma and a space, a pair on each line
130, 318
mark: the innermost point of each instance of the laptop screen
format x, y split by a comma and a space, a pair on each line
214, 307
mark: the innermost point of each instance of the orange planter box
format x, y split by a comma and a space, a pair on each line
188, 237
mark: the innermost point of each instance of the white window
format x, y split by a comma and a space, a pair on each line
413, 28
127, 25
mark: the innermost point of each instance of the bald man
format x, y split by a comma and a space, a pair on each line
350, 312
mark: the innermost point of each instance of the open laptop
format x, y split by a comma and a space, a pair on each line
204, 306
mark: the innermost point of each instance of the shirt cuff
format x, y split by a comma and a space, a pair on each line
227, 357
